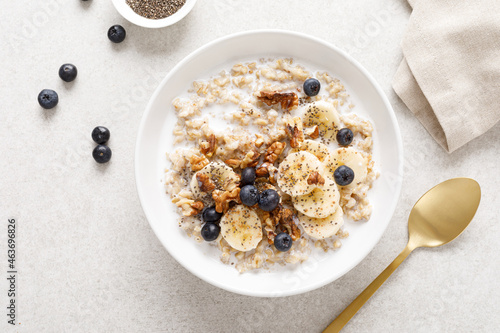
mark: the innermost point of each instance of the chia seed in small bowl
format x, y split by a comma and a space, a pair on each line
153, 13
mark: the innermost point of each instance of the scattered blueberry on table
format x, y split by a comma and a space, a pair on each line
68, 72
101, 135
268, 200
101, 154
283, 242
211, 215
249, 195
343, 175
345, 137
311, 87
247, 176
116, 33
48, 98
210, 231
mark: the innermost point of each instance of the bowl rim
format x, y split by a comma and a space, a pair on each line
391, 208
141, 21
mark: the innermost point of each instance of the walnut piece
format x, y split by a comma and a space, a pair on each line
233, 163
273, 175
274, 151
198, 162
197, 207
223, 198
286, 100
204, 182
315, 179
287, 220
251, 159
208, 147
267, 170
312, 132
263, 171
260, 140
294, 132
269, 227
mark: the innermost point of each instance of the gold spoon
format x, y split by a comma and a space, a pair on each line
437, 218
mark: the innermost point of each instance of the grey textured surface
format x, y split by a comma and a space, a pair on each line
87, 258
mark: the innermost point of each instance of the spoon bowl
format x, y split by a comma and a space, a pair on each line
437, 218
443, 213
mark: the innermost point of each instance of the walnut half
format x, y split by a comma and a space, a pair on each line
286, 100
223, 198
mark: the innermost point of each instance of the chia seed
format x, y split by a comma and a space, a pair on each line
155, 9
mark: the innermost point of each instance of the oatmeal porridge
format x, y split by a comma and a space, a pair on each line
270, 158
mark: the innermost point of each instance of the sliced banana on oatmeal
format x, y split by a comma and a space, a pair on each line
215, 175
325, 227
350, 157
321, 202
323, 114
294, 170
316, 148
241, 228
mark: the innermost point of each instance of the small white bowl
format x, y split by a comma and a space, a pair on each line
127, 12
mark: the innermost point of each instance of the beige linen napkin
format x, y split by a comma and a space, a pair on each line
450, 77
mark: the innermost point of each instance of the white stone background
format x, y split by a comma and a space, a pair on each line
87, 258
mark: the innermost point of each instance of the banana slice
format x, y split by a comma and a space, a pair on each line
294, 170
325, 227
241, 228
350, 157
220, 174
323, 114
316, 148
321, 202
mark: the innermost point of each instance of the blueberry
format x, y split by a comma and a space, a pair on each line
211, 215
68, 72
48, 98
249, 195
312, 87
269, 199
345, 136
283, 242
247, 176
210, 232
343, 175
101, 154
116, 33
100, 134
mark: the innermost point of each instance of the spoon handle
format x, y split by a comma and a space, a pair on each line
351, 310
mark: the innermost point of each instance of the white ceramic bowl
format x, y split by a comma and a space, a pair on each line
127, 12
155, 138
